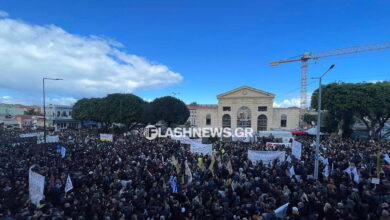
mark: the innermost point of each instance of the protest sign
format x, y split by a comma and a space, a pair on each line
266, 156
36, 186
297, 149
106, 137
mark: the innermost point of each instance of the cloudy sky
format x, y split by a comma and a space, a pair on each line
194, 49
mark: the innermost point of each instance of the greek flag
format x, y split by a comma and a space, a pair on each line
63, 151
68, 185
173, 184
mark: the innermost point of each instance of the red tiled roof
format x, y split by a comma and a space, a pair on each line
24, 116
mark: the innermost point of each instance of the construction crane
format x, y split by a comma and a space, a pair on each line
304, 58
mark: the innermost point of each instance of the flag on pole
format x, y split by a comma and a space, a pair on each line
292, 171
326, 171
176, 164
63, 151
211, 167
348, 170
332, 169
188, 172
58, 148
281, 211
355, 175
68, 185
172, 180
230, 167
288, 159
387, 158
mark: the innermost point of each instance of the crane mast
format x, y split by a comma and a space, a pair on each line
304, 58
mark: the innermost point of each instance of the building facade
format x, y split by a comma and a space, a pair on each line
10, 110
242, 108
60, 117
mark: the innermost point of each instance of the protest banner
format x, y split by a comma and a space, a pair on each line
49, 139
36, 186
200, 148
274, 145
297, 149
106, 137
36, 134
266, 156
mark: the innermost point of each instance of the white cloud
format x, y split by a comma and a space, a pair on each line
287, 103
376, 81
90, 66
3, 13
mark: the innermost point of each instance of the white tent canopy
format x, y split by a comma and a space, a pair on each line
313, 131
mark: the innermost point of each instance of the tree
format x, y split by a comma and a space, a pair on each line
309, 118
170, 110
373, 107
369, 102
114, 108
30, 112
122, 108
194, 103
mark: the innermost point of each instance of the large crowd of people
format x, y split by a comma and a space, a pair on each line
135, 178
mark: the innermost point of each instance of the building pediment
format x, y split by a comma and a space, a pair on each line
246, 91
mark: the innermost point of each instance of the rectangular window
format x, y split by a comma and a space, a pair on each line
226, 108
283, 123
262, 108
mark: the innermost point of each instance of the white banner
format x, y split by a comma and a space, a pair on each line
272, 144
297, 149
243, 136
106, 137
36, 186
49, 139
36, 134
201, 148
266, 156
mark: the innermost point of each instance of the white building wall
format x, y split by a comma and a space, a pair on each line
9, 109
292, 118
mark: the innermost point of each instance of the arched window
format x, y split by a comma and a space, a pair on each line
243, 117
226, 121
208, 119
283, 121
262, 123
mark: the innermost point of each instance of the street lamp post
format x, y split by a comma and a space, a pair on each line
44, 106
317, 153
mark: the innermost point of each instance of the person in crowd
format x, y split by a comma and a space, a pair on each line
138, 179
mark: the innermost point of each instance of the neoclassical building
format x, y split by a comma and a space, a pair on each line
245, 107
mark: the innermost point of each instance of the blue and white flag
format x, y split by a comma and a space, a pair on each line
58, 148
387, 158
172, 180
281, 211
63, 151
292, 171
355, 175
326, 171
68, 185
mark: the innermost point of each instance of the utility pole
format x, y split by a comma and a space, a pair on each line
44, 106
317, 153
